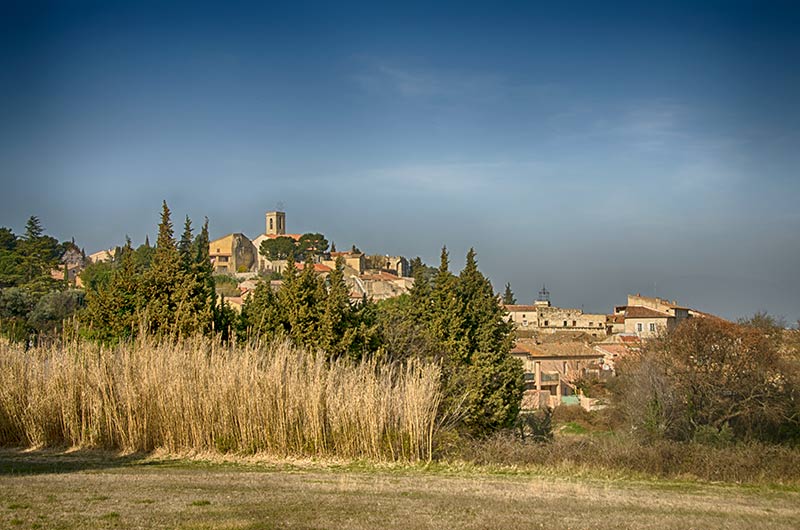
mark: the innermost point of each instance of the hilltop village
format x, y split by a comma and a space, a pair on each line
376, 277
560, 348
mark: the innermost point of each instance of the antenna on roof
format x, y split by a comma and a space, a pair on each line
544, 294
280, 206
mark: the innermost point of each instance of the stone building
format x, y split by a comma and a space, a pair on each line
648, 317
232, 253
354, 260
541, 317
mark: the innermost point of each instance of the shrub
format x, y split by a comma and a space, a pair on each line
713, 376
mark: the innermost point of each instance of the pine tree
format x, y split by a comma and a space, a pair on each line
185, 244
446, 314
262, 317
494, 378
33, 229
508, 295
337, 331
113, 310
420, 292
161, 283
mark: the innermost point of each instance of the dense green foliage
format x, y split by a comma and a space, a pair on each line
167, 289
33, 303
282, 247
458, 321
313, 312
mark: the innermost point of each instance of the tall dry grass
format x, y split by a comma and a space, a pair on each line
199, 395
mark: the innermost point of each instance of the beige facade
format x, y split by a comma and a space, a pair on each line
232, 253
354, 260
378, 286
649, 317
102, 255
276, 223
543, 318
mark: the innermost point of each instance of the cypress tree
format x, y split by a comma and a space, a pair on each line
185, 244
163, 279
337, 331
508, 295
446, 315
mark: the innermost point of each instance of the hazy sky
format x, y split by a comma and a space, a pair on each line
598, 149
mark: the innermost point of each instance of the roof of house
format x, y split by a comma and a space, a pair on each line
629, 339
517, 308
296, 237
555, 349
612, 349
318, 267
634, 311
616, 319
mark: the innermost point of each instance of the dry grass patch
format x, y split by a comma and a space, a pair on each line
246, 496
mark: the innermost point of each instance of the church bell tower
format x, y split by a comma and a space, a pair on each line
276, 223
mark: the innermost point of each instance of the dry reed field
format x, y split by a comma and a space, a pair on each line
198, 395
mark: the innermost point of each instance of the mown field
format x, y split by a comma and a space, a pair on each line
91, 489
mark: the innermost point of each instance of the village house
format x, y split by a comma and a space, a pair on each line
648, 317
379, 286
551, 370
102, 255
354, 260
232, 253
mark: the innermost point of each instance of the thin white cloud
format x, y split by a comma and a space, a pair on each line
456, 177
417, 83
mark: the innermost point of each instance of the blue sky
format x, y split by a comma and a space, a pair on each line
601, 148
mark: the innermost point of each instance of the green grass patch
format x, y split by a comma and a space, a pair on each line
572, 428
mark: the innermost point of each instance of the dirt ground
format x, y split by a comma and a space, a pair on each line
51, 489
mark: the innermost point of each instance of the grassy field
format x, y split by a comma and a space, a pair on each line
90, 489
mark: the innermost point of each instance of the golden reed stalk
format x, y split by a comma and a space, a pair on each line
198, 395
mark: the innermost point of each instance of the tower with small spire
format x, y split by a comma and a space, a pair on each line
276, 223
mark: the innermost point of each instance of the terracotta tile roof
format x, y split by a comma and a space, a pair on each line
612, 349
296, 237
634, 311
557, 349
616, 319
318, 267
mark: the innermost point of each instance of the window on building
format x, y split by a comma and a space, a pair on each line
652, 327
270, 224
524, 322
546, 322
565, 323
574, 323
591, 324
639, 327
